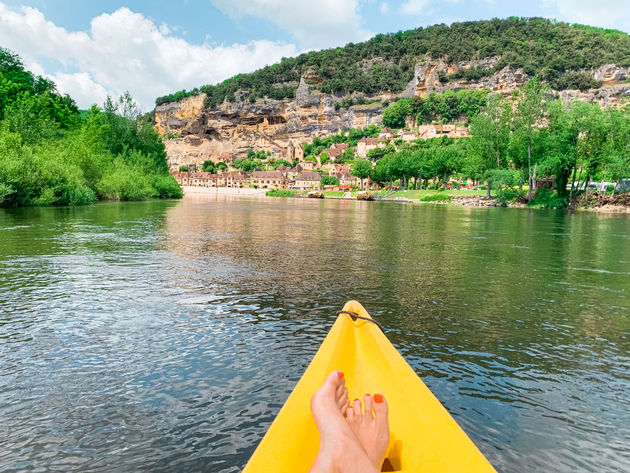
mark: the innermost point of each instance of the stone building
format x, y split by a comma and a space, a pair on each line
294, 151
307, 180
366, 144
269, 180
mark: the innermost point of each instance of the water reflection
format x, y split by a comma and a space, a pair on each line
166, 336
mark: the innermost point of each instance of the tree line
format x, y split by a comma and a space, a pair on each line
514, 142
53, 154
556, 52
447, 107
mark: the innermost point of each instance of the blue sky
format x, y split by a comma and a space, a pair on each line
95, 48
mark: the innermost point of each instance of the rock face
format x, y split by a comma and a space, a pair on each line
195, 134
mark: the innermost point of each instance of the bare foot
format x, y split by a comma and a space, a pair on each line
372, 431
339, 448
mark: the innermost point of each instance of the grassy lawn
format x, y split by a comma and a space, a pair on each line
419, 194
282, 193
333, 193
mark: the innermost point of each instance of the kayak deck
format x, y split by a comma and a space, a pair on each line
423, 435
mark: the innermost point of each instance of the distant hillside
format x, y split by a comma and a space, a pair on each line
557, 52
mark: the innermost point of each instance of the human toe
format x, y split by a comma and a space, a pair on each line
380, 407
367, 403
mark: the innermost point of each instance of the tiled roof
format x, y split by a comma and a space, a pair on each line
309, 176
266, 175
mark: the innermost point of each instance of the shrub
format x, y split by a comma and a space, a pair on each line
546, 198
167, 187
436, 198
329, 181
280, 193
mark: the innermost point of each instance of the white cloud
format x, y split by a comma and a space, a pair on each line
384, 8
413, 7
81, 88
126, 51
603, 13
314, 23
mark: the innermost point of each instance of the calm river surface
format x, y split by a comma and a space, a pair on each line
165, 336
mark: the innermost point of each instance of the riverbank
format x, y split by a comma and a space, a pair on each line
618, 204
188, 190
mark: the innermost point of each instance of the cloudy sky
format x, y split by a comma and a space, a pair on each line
94, 48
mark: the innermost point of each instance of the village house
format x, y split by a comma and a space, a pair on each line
307, 180
291, 173
366, 144
342, 168
341, 146
429, 131
294, 152
181, 178
333, 153
305, 166
386, 134
346, 179
234, 179
432, 131
269, 180
225, 157
201, 179
409, 135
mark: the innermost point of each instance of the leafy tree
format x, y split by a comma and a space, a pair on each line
329, 181
377, 153
394, 116
446, 161
530, 110
490, 137
51, 155
208, 166
361, 168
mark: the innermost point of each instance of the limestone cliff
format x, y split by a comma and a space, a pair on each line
194, 133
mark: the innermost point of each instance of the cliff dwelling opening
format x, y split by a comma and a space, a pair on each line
276, 120
211, 133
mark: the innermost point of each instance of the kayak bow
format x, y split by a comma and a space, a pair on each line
423, 435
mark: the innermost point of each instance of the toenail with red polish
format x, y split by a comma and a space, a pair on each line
340, 375
378, 398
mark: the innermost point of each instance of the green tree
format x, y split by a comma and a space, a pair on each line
530, 111
490, 137
329, 181
361, 168
394, 116
208, 166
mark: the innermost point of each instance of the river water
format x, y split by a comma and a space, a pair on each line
165, 336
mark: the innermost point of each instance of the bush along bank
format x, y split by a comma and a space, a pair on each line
52, 154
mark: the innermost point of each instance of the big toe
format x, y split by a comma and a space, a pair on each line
331, 385
380, 408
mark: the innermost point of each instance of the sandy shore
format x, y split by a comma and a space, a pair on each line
188, 190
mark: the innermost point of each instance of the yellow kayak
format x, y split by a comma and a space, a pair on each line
423, 435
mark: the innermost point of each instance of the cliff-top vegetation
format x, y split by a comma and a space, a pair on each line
52, 154
554, 51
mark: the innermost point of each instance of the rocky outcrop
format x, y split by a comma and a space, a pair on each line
206, 134
195, 134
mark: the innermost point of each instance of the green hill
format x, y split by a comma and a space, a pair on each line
555, 51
